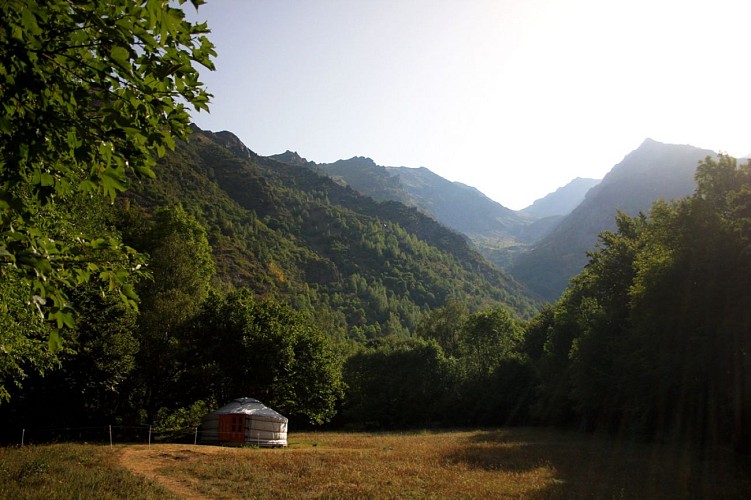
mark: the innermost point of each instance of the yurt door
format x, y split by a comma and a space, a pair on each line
232, 428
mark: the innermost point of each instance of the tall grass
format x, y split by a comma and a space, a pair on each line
515, 463
505, 463
64, 471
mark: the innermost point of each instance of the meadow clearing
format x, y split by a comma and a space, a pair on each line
497, 463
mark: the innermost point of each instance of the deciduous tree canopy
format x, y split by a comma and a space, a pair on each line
92, 92
653, 337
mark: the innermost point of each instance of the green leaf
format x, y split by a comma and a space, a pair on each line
5, 126
99, 243
112, 182
30, 23
62, 319
82, 277
120, 56
47, 179
54, 343
145, 171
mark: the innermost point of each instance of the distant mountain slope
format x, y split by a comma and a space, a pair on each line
652, 171
495, 230
563, 200
459, 206
362, 267
363, 175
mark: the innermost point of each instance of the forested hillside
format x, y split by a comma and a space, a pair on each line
373, 268
494, 230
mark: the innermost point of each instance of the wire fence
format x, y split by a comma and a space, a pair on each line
106, 434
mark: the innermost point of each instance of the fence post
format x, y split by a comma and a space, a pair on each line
23, 434
195, 437
149, 436
110, 435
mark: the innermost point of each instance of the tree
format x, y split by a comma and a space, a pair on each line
88, 384
23, 336
24, 333
652, 338
444, 325
182, 268
497, 384
716, 179
181, 265
692, 311
240, 346
93, 92
601, 308
488, 338
576, 345
395, 382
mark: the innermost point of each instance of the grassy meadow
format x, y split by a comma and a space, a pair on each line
505, 463
62, 471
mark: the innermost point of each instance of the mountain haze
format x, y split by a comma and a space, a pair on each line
563, 200
651, 172
495, 231
545, 244
456, 205
461, 207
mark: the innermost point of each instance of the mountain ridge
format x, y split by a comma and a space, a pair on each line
652, 171
562, 226
563, 200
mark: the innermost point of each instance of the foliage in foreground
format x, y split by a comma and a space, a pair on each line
92, 93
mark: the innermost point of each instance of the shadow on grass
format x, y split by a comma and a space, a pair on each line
574, 465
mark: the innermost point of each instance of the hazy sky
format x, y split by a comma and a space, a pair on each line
513, 97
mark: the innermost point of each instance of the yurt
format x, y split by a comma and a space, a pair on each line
244, 421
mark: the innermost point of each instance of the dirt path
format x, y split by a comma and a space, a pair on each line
146, 461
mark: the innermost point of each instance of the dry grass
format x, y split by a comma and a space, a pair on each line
513, 463
506, 463
64, 471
